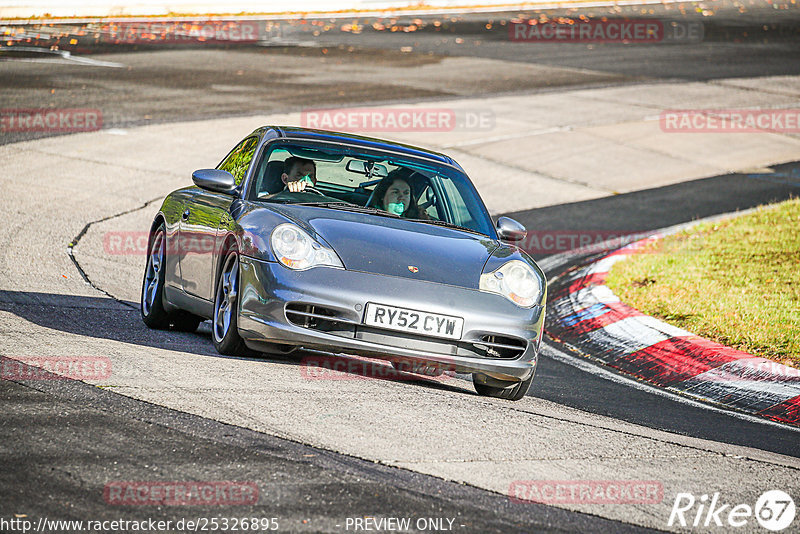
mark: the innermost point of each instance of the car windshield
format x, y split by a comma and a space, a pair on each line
371, 182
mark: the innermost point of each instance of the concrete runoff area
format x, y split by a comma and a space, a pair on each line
544, 150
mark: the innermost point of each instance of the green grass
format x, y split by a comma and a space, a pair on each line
736, 282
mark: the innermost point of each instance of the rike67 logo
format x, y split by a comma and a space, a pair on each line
774, 510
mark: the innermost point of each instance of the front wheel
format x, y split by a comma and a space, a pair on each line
491, 387
224, 329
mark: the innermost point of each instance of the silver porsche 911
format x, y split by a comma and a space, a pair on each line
347, 244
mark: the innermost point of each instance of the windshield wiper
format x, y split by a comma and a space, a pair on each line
447, 224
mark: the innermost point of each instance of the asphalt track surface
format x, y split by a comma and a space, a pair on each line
59, 438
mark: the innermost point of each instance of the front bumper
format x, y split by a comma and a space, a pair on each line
323, 308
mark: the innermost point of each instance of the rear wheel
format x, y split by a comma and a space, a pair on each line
492, 387
152, 305
224, 324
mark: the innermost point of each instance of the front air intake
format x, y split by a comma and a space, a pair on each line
309, 316
493, 346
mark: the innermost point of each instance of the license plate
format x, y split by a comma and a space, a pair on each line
414, 321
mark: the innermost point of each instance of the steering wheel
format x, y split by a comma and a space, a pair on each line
309, 188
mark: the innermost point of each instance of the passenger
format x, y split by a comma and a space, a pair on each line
394, 194
299, 173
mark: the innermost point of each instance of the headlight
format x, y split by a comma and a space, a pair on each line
516, 281
297, 250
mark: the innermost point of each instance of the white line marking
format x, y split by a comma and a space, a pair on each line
665, 328
592, 295
632, 332
718, 387
90, 61
604, 265
63, 54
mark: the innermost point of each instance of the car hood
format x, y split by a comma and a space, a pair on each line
398, 247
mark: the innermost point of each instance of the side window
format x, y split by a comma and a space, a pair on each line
239, 159
455, 202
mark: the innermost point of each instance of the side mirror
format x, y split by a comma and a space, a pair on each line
510, 230
214, 180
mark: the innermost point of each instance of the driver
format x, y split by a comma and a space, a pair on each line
299, 173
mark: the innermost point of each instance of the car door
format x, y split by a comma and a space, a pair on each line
205, 212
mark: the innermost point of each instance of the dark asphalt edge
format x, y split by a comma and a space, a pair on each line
429, 486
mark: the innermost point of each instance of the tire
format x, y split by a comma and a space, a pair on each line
514, 391
152, 307
224, 323
152, 304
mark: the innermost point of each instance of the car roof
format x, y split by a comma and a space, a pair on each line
370, 142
